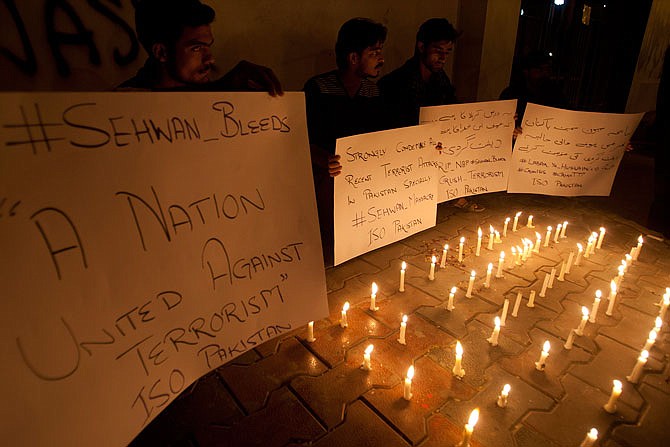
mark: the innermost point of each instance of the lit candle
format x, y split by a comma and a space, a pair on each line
561, 276
629, 261
529, 224
637, 370
585, 316
367, 366
310, 332
558, 233
493, 339
547, 236
501, 259
539, 365
504, 312
569, 265
519, 253
460, 249
590, 439
479, 241
610, 406
469, 428
407, 392
502, 398
458, 371
489, 270
580, 250
470, 285
619, 276
403, 267
658, 324
664, 306
612, 298
343, 322
589, 244
505, 227
538, 240
543, 291
531, 299
639, 247
512, 260
443, 261
571, 338
565, 227
516, 221
600, 238
552, 275
517, 303
594, 307
373, 298
526, 250
403, 329
650, 340
450, 302
498, 240
490, 246
431, 275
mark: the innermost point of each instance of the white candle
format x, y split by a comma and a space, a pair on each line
585, 316
498, 240
594, 307
373, 297
431, 275
407, 392
489, 270
403, 329
569, 265
493, 339
589, 244
664, 306
402, 276
619, 276
460, 249
590, 439
516, 221
600, 238
539, 365
529, 224
367, 366
504, 312
538, 240
610, 406
580, 250
458, 371
637, 370
526, 250
658, 324
543, 291
479, 242
612, 298
552, 275
469, 428
505, 227
501, 259
558, 233
571, 338
490, 246
517, 303
561, 276
547, 236
512, 260
517, 260
343, 321
565, 227
639, 247
531, 299
629, 261
450, 302
443, 261
502, 398
310, 332
650, 340
471, 284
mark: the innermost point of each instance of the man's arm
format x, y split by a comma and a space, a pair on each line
247, 76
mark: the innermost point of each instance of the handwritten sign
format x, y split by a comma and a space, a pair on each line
476, 146
567, 153
387, 189
146, 239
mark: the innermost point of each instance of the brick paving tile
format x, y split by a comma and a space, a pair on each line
336, 277
661, 380
631, 330
445, 278
442, 432
454, 322
646, 301
526, 437
394, 307
429, 241
568, 320
252, 384
356, 292
388, 256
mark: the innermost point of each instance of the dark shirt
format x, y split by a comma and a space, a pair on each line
405, 92
547, 93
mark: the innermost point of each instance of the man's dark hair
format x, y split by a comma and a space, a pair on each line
355, 36
164, 21
435, 30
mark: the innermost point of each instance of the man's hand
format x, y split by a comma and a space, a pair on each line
334, 166
249, 76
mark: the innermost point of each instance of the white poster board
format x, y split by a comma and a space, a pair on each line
145, 239
567, 153
476, 140
386, 191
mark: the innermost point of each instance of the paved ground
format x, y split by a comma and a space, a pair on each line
289, 392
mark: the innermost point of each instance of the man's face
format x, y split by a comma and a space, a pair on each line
371, 61
434, 55
192, 60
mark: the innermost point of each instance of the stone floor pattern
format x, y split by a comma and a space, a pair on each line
290, 392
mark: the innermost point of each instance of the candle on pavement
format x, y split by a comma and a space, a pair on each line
637, 369
569, 341
600, 238
460, 249
489, 270
310, 332
611, 298
343, 321
367, 366
504, 312
580, 251
450, 302
505, 227
594, 307
458, 370
591, 438
373, 297
502, 398
558, 233
403, 329
516, 221
547, 236
443, 261
501, 259
431, 275
493, 339
407, 392
539, 365
617, 387
471, 284
531, 299
403, 267
529, 224
479, 242
491, 234
517, 303
585, 316
469, 428
565, 227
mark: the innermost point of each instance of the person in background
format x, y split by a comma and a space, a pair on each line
341, 103
178, 39
422, 82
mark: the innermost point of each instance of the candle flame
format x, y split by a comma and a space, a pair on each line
617, 385
507, 220
472, 274
491, 230
538, 235
433, 259
506, 389
479, 231
585, 311
518, 214
652, 335
658, 323
459, 348
593, 433
595, 235
640, 240
474, 417
613, 286
602, 229
644, 355
462, 239
369, 349
489, 269
403, 266
345, 307
580, 247
666, 299
502, 255
513, 250
410, 372
546, 346
374, 288
620, 269
497, 321
446, 246
454, 289
565, 223
628, 257
549, 228
404, 318
599, 294
559, 226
